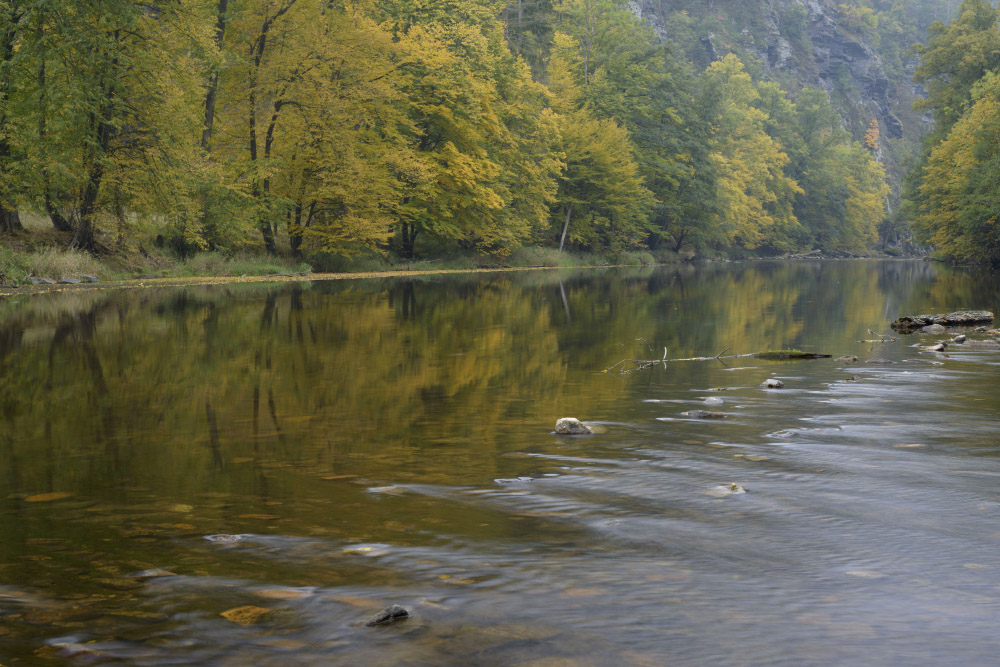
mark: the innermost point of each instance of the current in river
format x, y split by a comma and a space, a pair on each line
245, 474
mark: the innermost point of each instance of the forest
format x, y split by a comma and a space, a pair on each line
427, 128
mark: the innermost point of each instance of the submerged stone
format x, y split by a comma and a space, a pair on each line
388, 615
247, 615
878, 362
703, 414
848, 359
572, 426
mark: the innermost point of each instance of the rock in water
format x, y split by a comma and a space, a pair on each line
959, 339
572, 426
879, 362
934, 329
848, 359
959, 318
66, 280
772, 383
703, 414
388, 615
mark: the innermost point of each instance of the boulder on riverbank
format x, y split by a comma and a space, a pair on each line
572, 426
959, 318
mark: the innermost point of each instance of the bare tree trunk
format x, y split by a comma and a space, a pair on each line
562, 241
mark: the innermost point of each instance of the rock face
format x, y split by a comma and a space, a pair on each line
961, 318
572, 426
805, 40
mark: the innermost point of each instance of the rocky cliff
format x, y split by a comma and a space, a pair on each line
800, 43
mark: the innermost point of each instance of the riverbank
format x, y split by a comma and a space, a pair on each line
36, 260
38, 257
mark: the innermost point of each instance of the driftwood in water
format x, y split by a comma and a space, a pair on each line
623, 367
779, 355
960, 318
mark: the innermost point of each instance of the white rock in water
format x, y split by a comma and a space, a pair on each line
572, 426
712, 400
771, 383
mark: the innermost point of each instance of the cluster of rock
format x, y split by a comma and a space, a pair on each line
961, 318
65, 280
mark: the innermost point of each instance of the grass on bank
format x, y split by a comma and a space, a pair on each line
42, 252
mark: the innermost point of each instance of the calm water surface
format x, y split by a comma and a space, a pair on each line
321, 451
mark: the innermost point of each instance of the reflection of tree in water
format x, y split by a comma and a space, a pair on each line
167, 388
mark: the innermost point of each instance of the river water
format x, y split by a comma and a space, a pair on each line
318, 451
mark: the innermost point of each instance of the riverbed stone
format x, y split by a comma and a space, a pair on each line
388, 615
848, 359
246, 615
878, 361
959, 339
572, 426
68, 280
772, 383
934, 329
90, 279
703, 414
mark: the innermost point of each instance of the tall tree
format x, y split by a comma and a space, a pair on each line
12, 18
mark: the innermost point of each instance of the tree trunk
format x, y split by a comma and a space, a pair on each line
562, 241
213, 81
83, 237
680, 241
408, 234
10, 220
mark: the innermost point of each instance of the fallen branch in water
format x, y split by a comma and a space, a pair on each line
637, 364
882, 338
776, 355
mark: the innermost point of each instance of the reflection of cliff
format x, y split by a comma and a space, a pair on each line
178, 388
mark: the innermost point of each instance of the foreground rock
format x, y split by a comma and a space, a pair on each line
771, 383
388, 615
572, 426
960, 318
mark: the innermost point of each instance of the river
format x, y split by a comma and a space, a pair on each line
316, 452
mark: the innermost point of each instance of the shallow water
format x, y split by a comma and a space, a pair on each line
322, 451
